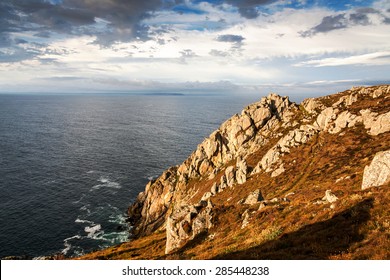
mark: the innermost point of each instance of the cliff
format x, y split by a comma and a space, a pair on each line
276, 181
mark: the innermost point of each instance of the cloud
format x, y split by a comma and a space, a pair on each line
78, 17
237, 39
328, 23
376, 58
361, 16
219, 53
248, 8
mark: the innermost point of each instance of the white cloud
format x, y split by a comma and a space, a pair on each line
376, 58
270, 52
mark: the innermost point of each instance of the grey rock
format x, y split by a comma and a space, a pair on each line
242, 171
214, 189
254, 197
376, 124
378, 172
344, 119
246, 217
329, 197
230, 176
278, 171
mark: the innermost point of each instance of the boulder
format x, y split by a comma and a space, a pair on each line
179, 227
242, 170
214, 189
378, 172
325, 118
311, 105
254, 197
185, 223
245, 216
376, 124
329, 197
223, 184
344, 119
230, 176
278, 171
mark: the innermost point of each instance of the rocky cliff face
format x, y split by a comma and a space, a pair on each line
258, 142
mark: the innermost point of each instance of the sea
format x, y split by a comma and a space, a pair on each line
71, 164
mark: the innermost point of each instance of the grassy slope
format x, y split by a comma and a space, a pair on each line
357, 228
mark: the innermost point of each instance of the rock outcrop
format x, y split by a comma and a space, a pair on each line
378, 172
185, 223
254, 197
274, 122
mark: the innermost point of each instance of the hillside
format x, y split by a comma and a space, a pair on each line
278, 181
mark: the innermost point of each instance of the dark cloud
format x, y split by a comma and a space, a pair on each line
230, 38
76, 17
248, 8
328, 23
236, 45
360, 17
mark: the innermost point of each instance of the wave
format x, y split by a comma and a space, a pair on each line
78, 201
94, 231
106, 183
78, 220
67, 244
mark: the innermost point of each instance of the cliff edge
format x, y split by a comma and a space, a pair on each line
276, 181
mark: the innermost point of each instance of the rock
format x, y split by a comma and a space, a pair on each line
206, 196
329, 197
148, 212
262, 205
246, 218
254, 197
352, 98
293, 138
230, 176
223, 184
378, 172
242, 170
179, 227
278, 171
325, 118
185, 223
311, 105
344, 119
214, 189
376, 124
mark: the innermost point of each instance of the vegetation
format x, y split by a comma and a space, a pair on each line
297, 224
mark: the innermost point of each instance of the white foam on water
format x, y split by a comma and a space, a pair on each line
117, 219
78, 220
67, 244
116, 237
104, 180
85, 208
113, 185
78, 201
91, 171
94, 231
106, 183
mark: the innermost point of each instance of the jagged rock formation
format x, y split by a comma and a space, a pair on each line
273, 128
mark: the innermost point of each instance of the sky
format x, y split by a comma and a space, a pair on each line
192, 46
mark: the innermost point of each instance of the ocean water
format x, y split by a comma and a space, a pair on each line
70, 165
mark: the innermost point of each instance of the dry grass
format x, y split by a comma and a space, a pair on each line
356, 227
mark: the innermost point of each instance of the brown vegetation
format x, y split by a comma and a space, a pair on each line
301, 226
